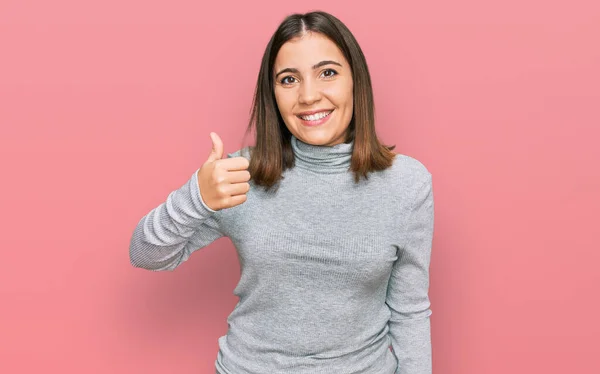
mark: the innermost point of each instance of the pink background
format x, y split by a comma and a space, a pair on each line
106, 107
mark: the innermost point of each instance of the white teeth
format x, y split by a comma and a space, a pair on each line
314, 117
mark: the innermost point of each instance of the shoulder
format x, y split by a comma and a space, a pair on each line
245, 152
411, 182
402, 182
411, 171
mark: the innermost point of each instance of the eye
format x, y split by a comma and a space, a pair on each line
284, 82
334, 73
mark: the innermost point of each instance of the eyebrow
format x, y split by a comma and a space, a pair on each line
316, 66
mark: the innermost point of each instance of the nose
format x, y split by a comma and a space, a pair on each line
309, 93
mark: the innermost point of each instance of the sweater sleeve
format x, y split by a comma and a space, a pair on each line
171, 232
407, 294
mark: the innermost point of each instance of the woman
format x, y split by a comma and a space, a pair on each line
333, 230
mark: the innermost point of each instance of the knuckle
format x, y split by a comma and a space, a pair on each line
218, 176
219, 189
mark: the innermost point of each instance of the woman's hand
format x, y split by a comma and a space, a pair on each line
223, 183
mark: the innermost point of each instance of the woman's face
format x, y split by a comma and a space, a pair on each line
313, 79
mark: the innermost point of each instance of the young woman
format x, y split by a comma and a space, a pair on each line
333, 230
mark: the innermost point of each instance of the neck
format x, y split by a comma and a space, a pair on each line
321, 158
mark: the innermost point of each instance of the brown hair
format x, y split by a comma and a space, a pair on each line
273, 153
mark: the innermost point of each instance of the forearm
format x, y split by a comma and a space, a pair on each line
162, 239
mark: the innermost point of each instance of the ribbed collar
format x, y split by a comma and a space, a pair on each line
322, 159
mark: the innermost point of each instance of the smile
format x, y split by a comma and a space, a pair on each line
315, 119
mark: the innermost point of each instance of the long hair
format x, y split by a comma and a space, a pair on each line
273, 153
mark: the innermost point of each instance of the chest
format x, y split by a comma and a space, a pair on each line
314, 230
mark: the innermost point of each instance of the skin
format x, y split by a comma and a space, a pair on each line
328, 86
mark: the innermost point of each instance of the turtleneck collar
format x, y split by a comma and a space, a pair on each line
322, 159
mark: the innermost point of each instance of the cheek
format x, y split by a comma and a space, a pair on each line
350, 95
341, 96
277, 99
283, 103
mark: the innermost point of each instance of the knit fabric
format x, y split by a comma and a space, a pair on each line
333, 273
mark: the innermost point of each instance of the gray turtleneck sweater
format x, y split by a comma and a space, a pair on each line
333, 273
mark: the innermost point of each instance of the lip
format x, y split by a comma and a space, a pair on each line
317, 122
308, 113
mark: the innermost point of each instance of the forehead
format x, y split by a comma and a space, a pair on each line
307, 50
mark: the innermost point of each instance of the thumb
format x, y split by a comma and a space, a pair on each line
217, 148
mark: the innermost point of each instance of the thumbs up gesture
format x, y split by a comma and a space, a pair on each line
223, 183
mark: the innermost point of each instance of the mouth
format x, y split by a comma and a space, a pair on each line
315, 118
